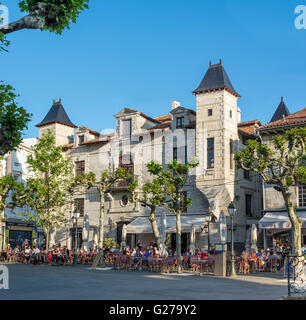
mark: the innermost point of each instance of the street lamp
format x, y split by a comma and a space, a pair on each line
75, 217
232, 210
209, 215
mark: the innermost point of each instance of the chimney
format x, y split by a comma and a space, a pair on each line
175, 104
53, 101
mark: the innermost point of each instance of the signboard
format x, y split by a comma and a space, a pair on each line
19, 228
220, 247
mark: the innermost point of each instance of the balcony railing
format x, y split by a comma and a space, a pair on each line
123, 184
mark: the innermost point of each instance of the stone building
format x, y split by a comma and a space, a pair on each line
211, 132
275, 223
15, 229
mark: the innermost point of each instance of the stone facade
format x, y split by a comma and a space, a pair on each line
140, 138
15, 228
273, 199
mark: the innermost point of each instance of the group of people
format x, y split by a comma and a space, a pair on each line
37, 254
139, 255
265, 260
24, 253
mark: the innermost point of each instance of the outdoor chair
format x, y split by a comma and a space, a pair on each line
133, 265
150, 263
123, 262
116, 262
171, 264
185, 262
244, 266
194, 265
273, 264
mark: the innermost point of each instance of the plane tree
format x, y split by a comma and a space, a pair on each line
283, 165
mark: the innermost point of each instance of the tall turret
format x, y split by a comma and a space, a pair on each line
59, 123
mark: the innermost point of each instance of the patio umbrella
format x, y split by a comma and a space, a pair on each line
192, 239
222, 227
124, 233
254, 237
85, 232
163, 226
96, 237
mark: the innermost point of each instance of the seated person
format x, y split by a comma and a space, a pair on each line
212, 251
145, 256
56, 255
203, 255
9, 253
137, 255
27, 253
36, 256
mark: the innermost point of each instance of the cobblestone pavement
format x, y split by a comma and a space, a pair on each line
59, 282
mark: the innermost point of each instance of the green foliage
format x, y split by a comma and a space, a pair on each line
13, 119
110, 242
167, 189
8, 183
4, 43
60, 13
283, 164
47, 192
107, 179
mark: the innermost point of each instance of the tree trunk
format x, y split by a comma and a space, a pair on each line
152, 218
101, 229
179, 243
1, 235
296, 233
35, 20
47, 239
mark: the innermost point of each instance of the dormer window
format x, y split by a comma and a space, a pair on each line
81, 139
180, 123
126, 128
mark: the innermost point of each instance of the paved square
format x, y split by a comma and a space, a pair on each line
58, 282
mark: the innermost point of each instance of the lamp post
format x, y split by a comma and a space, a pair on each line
209, 217
75, 218
232, 210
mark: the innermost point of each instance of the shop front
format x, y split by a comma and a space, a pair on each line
16, 233
277, 228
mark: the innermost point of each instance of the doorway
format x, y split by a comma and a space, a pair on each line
79, 238
184, 241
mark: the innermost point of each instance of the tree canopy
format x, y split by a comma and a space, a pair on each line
47, 192
13, 119
52, 15
282, 164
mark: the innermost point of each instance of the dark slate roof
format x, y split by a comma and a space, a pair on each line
57, 114
281, 112
216, 78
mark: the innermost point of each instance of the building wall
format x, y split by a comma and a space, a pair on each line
210, 189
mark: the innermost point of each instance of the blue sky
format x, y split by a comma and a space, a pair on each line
143, 54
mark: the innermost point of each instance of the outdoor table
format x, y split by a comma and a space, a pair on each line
199, 262
157, 263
